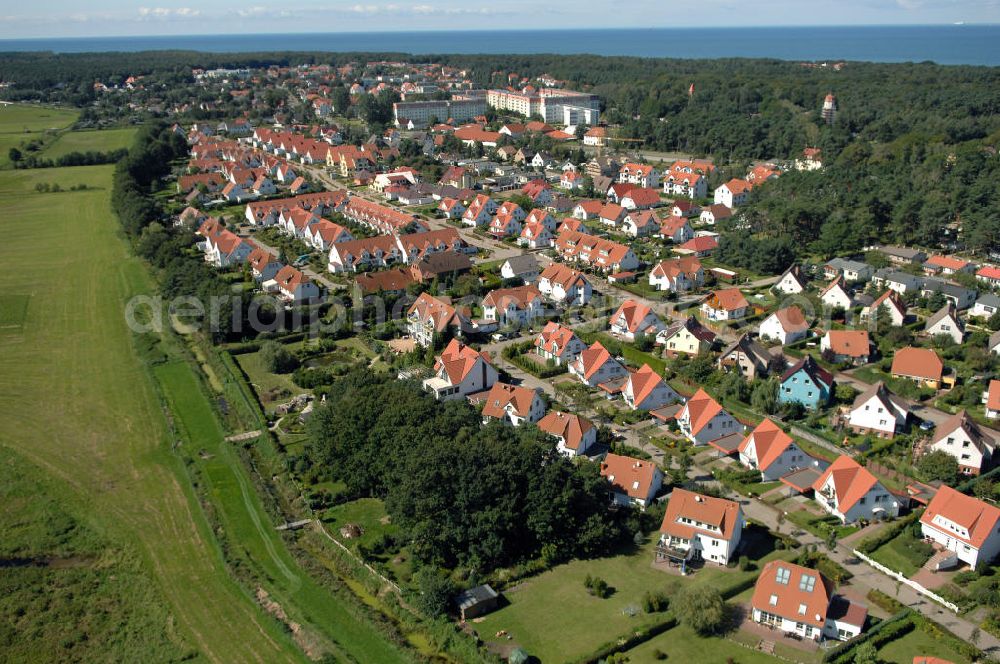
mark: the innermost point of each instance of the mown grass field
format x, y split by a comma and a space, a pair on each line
80, 406
328, 625
104, 140
48, 559
20, 123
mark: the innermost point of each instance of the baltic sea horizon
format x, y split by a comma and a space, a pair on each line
944, 44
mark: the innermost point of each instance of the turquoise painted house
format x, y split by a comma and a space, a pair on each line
807, 383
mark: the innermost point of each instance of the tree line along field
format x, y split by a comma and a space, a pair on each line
82, 410
19, 123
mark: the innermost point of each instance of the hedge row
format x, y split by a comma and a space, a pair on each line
888, 533
885, 631
636, 639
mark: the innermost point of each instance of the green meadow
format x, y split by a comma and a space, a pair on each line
82, 410
21, 123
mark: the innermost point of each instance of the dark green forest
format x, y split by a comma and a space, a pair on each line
469, 495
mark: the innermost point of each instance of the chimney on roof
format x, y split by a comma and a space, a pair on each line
697, 498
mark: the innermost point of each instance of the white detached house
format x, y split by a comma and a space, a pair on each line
850, 492
965, 525
702, 420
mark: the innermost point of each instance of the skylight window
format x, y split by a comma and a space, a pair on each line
807, 583
783, 575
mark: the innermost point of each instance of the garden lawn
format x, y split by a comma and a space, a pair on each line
20, 123
98, 140
682, 644
554, 618
81, 407
821, 526
917, 642
903, 553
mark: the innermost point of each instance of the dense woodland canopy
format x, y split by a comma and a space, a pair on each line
470, 495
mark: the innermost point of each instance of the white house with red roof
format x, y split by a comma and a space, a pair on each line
511, 404
598, 253
641, 198
853, 346
773, 452
989, 275
459, 371
697, 527
452, 208
292, 285
325, 233
612, 214
561, 283
558, 343
480, 211
991, 400
786, 325
850, 492
595, 366
589, 209
725, 304
535, 235
700, 246
646, 390
947, 265
224, 248
574, 434
702, 419
677, 229
634, 317
643, 175
963, 524
263, 264
513, 306
799, 601
571, 180
633, 481
889, 304
733, 193
677, 275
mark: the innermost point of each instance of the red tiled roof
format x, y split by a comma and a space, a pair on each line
718, 512
630, 476
978, 518
917, 363
787, 585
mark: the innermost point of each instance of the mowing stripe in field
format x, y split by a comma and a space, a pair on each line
79, 404
245, 520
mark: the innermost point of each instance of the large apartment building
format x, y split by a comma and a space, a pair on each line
420, 113
551, 104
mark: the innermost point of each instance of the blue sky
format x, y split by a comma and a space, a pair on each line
52, 18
